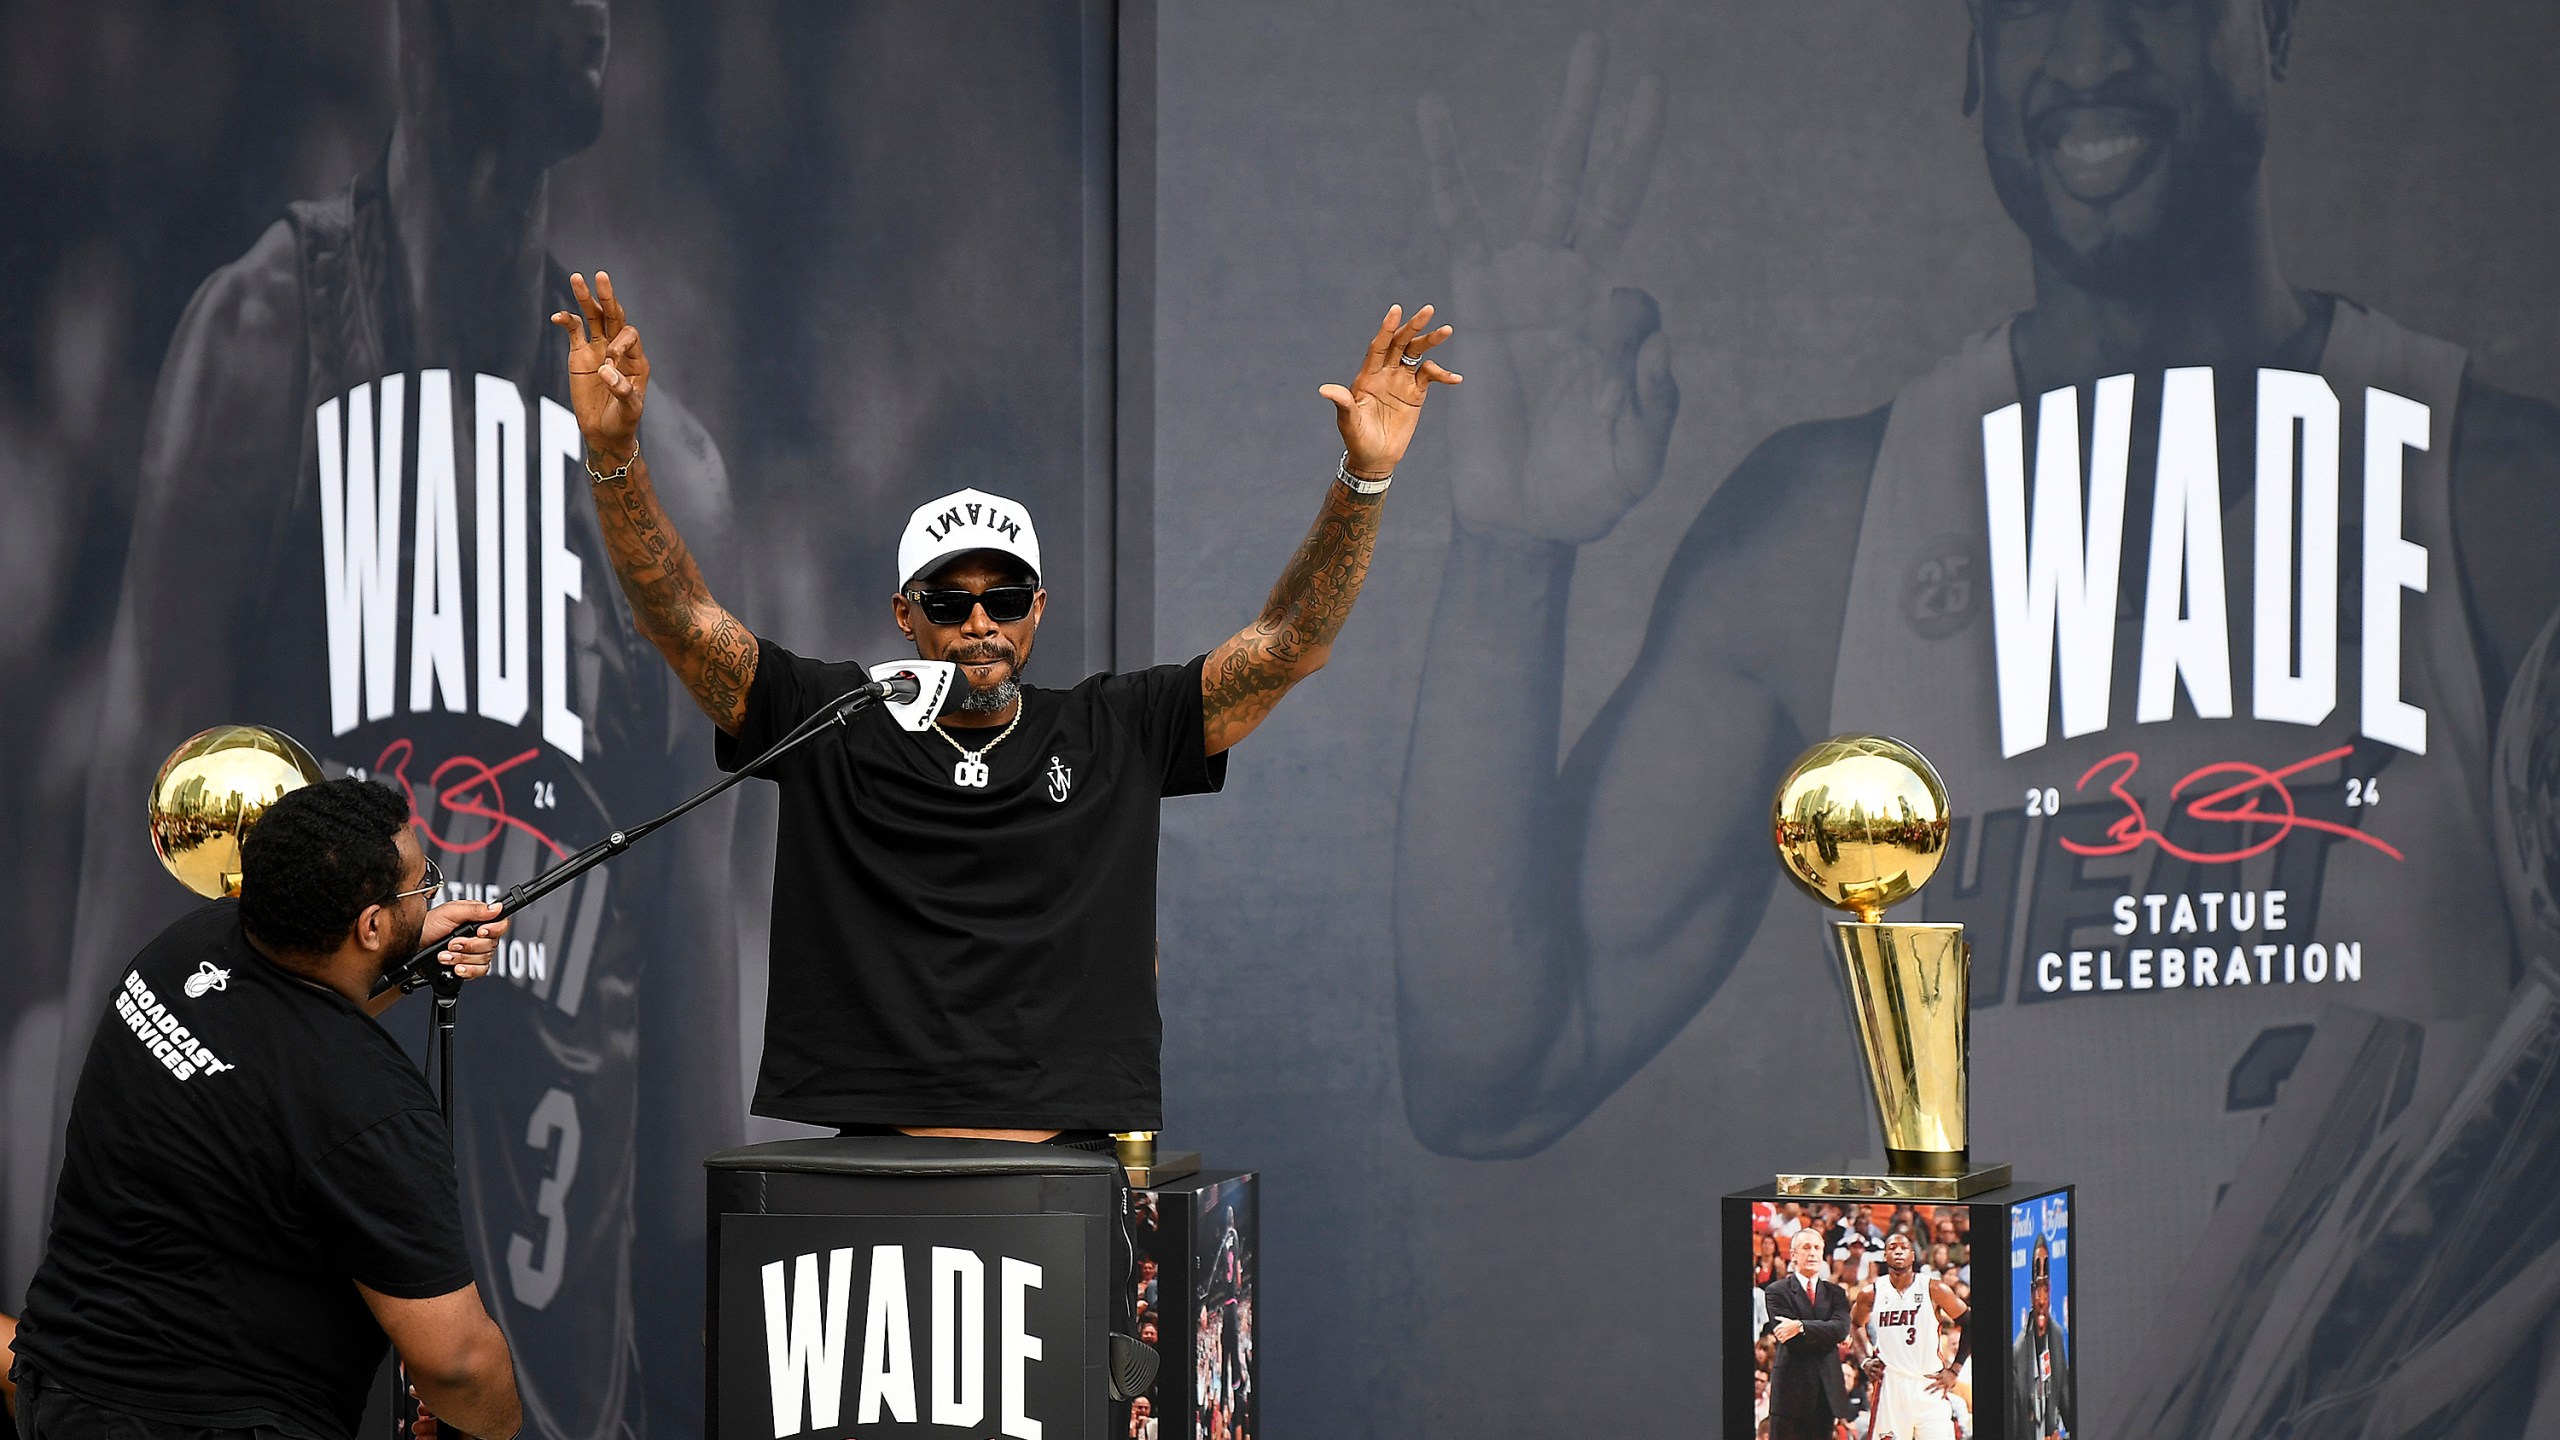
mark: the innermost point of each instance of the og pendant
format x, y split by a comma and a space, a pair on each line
971, 771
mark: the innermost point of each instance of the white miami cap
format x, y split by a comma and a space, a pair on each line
962, 521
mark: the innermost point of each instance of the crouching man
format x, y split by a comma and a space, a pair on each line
257, 1190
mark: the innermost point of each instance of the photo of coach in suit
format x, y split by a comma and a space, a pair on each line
1808, 1321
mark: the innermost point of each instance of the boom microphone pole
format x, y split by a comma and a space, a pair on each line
424, 968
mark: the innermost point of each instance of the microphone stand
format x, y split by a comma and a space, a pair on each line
425, 970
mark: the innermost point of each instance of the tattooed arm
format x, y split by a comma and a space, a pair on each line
711, 651
1290, 640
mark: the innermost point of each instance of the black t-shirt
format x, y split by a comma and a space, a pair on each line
953, 955
244, 1147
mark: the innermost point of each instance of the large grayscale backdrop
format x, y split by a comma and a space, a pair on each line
876, 249
1820, 230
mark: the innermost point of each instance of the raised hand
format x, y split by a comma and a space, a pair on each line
1377, 411
608, 371
1573, 433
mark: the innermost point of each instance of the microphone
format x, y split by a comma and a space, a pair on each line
895, 689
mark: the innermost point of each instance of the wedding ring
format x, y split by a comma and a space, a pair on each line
1413, 360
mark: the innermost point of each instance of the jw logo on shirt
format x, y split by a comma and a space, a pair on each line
2054, 570
1060, 779
363, 450
806, 1324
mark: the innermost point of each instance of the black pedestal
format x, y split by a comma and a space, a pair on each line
1201, 1234
2009, 1263
908, 1286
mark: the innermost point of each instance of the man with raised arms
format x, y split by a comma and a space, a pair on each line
964, 917
258, 1189
2301, 543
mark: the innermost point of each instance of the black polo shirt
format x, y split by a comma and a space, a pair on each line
244, 1147
949, 954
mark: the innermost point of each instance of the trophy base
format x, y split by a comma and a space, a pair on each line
2020, 1239
1163, 1166
1876, 1180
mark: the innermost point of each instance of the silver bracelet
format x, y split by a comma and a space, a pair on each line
607, 477
1357, 485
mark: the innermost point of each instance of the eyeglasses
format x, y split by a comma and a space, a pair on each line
1005, 603
435, 882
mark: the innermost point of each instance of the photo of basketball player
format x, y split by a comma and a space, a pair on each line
2042, 1390
1909, 1329
1902, 1347
2233, 419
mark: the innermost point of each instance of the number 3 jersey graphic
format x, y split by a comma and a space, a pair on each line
534, 1268
545, 1086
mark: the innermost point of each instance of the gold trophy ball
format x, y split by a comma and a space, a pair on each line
1860, 823
212, 789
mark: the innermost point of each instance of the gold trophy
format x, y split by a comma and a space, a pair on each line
208, 793
1861, 823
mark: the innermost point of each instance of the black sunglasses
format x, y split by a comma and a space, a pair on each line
1005, 603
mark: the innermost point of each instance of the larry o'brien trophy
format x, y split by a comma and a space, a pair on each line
1860, 823
1848, 1267
210, 790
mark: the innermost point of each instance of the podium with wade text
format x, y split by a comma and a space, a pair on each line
898, 1286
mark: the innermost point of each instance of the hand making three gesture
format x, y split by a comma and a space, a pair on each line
1574, 431
608, 371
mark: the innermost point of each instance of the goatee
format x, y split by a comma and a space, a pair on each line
991, 700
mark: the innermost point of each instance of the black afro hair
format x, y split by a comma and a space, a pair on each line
316, 859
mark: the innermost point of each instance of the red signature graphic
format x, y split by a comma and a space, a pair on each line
475, 794
2258, 797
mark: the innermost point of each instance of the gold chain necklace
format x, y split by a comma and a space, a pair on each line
971, 768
